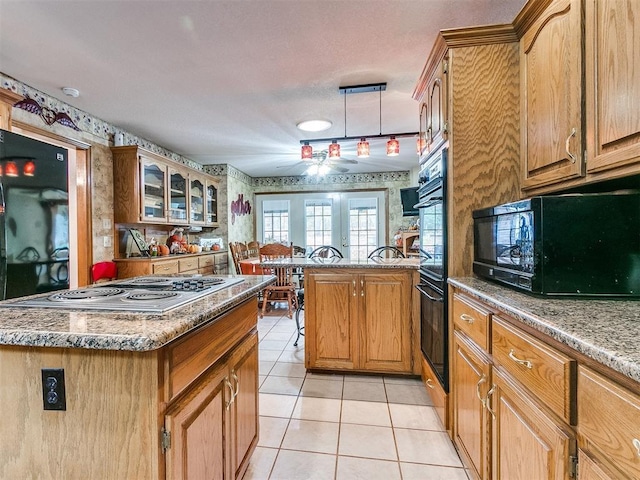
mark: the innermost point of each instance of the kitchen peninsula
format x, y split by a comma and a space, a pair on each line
360, 315
147, 395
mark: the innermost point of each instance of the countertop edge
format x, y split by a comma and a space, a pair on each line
570, 332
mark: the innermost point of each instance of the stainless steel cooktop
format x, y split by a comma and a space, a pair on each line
140, 294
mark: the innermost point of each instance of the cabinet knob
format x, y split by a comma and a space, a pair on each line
566, 146
467, 318
636, 444
429, 383
524, 363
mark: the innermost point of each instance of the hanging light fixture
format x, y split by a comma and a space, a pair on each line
0, 170
393, 147
362, 150
11, 169
334, 150
307, 151
29, 168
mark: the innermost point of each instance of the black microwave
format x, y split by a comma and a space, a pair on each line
562, 245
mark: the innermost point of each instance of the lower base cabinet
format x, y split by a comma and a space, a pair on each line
360, 320
214, 428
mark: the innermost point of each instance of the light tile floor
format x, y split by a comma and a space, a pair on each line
342, 427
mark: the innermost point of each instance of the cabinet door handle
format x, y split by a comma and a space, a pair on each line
636, 444
482, 380
235, 378
361, 287
429, 383
566, 145
467, 318
228, 384
489, 394
524, 363
354, 288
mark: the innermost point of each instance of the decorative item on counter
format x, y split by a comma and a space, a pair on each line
153, 247
163, 250
397, 238
139, 240
176, 241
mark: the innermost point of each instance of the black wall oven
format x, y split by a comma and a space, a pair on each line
433, 265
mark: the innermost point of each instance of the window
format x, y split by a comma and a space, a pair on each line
275, 221
363, 227
318, 223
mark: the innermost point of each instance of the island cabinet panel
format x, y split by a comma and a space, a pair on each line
359, 320
330, 321
188, 410
551, 95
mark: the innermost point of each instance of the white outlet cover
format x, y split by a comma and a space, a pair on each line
106, 241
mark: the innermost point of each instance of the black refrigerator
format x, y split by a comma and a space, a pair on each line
34, 216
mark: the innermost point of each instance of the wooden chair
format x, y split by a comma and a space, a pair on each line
386, 251
253, 249
104, 271
283, 289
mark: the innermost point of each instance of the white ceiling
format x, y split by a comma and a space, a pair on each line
227, 81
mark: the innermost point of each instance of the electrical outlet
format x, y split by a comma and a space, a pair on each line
106, 241
106, 223
53, 390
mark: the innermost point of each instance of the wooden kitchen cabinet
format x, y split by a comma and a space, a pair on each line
214, 428
152, 189
608, 425
359, 320
612, 30
470, 378
551, 96
205, 264
527, 442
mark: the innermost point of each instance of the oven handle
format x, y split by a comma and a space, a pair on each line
421, 290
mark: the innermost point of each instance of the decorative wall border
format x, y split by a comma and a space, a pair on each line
342, 178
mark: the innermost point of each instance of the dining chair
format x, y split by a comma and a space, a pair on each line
104, 271
386, 251
326, 251
253, 249
283, 289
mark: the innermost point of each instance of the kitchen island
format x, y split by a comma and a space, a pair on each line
360, 315
147, 396
542, 384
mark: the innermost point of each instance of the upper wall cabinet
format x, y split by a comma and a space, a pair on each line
151, 189
579, 128
612, 59
551, 92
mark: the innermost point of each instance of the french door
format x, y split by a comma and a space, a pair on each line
353, 222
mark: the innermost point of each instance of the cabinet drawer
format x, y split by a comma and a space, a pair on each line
547, 373
205, 261
165, 267
609, 419
189, 357
473, 319
188, 264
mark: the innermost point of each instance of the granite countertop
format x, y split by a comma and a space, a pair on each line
109, 330
336, 262
607, 331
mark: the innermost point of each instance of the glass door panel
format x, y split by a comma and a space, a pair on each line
178, 197
197, 201
363, 231
154, 192
211, 203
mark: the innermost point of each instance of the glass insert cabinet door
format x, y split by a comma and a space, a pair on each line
154, 191
211, 203
177, 196
197, 201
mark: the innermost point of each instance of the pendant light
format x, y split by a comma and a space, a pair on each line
393, 147
11, 169
0, 170
334, 150
307, 151
29, 168
362, 150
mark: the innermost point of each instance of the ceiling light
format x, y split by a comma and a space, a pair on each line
314, 125
393, 147
363, 148
71, 92
334, 150
307, 151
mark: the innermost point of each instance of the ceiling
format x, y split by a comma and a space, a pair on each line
227, 81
